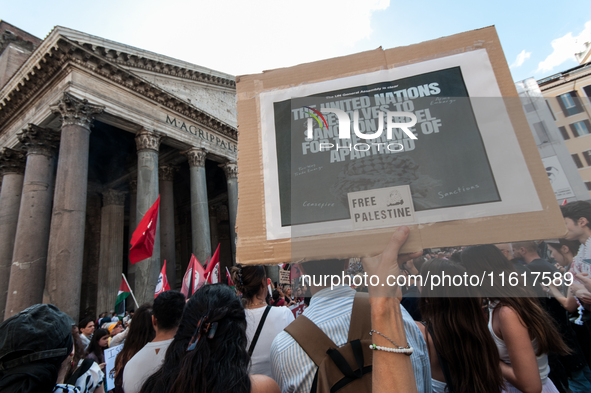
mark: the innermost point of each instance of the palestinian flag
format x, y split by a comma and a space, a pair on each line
123, 293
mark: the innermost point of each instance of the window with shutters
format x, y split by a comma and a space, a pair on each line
570, 103
564, 133
577, 160
581, 128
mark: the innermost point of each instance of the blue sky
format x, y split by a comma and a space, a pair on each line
243, 37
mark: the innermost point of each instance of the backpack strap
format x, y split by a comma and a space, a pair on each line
84, 367
311, 338
258, 332
360, 324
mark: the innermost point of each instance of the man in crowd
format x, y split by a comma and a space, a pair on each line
86, 327
330, 309
167, 312
577, 218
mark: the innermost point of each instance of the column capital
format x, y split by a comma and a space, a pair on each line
113, 197
133, 186
12, 161
148, 139
196, 156
166, 172
76, 111
39, 140
230, 169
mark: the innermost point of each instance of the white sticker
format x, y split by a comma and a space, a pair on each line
382, 207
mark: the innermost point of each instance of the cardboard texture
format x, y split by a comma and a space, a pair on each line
253, 246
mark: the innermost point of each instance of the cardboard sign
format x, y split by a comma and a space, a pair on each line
383, 207
283, 276
436, 117
110, 355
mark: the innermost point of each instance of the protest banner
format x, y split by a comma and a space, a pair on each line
110, 355
431, 135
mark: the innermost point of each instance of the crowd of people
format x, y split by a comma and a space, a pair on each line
492, 337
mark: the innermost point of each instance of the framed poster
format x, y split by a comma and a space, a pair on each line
435, 119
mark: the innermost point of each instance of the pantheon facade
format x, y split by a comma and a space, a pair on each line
91, 133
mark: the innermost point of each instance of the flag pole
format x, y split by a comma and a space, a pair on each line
130, 291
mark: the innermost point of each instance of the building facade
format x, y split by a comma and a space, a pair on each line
568, 95
92, 132
562, 171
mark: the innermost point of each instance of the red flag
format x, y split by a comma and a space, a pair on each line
213, 268
230, 282
142, 240
198, 277
294, 272
162, 284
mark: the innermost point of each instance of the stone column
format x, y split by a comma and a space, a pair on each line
213, 227
166, 218
231, 170
27, 275
146, 271
66, 236
132, 226
199, 204
12, 166
111, 249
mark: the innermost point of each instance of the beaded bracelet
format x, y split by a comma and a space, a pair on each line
407, 351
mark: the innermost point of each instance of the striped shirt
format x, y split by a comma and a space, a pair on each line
331, 310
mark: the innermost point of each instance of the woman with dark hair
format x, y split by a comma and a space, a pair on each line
141, 332
85, 374
462, 353
277, 299
96, 348
208, 353
523, 332
269, 321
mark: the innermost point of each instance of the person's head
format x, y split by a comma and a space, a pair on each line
577, 218
79, 352
276, 296
100, 341
506, 249
167, 311
251, 281
86, 327
34, 345
459, 330
140, 333
115, 328
563, 251
526, 251
287, 290
488, 258
219, 361
323, 268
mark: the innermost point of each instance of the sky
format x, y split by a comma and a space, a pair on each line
240, 37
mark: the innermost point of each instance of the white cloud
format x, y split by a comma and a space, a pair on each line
564, 49
522, 57
240, 37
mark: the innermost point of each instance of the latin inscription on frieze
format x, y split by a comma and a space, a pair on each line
198, 132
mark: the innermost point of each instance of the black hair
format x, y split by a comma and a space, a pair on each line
248, 279
94, 346
217, 364
168, 309
576, 210
84, 322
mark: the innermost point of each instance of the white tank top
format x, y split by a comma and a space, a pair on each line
543, 367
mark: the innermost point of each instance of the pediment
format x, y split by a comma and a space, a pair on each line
206, 96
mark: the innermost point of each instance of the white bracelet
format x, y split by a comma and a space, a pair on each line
406, 351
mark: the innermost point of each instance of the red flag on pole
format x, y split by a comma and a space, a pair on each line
142, 240
213, 268
230, 282
196, 270
162, 284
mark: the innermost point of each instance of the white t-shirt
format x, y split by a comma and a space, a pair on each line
277, 319
143, 364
